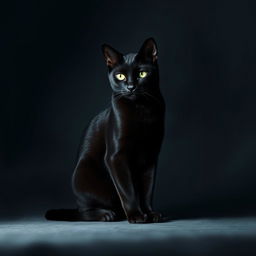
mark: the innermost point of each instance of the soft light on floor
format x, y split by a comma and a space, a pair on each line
219, 236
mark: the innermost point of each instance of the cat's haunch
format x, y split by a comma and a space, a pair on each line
115, 172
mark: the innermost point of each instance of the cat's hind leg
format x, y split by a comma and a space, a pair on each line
97, 198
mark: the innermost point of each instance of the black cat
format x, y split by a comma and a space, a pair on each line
115, 172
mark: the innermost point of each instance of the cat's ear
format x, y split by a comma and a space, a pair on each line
148, 50
112, 56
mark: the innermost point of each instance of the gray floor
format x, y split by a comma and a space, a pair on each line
219, 236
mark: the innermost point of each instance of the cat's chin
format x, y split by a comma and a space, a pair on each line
131, 96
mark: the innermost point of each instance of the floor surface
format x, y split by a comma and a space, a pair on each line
215, 236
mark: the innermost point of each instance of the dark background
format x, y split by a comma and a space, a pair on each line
54, 80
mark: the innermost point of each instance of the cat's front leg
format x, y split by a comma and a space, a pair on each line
146, 194
121, 176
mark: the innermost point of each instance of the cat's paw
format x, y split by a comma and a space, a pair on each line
154, 217
137, 218
108, 216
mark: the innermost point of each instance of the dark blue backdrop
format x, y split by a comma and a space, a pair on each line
54, 81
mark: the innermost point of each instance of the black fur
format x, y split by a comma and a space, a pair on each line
115, 172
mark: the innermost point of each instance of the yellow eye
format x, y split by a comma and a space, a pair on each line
120, 77
143, 74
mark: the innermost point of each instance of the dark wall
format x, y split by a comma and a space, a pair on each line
54, 81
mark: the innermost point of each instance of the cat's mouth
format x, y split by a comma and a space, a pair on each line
132, 95
128, 95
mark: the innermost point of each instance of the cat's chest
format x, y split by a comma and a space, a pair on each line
143, 123
144, 115
138, 118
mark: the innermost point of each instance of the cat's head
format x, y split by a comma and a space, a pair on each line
133, 74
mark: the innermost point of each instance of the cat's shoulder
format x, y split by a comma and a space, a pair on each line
100, 118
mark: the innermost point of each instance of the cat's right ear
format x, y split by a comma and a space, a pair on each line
148, 50
112, 56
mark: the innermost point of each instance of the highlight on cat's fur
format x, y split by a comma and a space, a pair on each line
115, 172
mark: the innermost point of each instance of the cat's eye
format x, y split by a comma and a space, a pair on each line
120, 77
143, 74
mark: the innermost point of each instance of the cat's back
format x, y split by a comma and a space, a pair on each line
93, 141
99, 120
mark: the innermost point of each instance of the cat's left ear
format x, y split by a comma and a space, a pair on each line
112, 56
148, 50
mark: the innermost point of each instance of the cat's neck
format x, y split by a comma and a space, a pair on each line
147, 99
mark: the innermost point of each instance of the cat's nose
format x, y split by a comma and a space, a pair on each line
131, 87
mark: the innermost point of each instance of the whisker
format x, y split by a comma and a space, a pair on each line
120, 94
151, 96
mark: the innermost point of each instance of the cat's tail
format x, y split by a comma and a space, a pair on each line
63, 215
